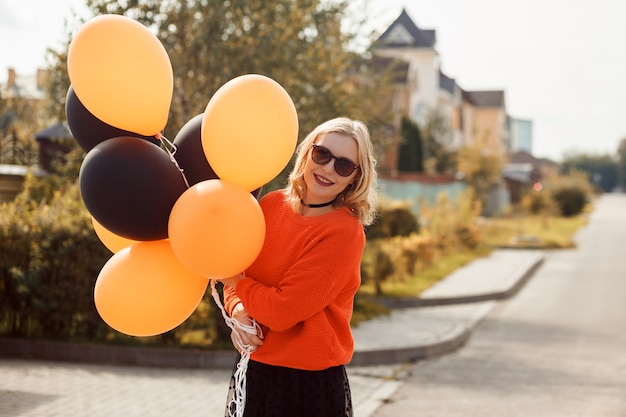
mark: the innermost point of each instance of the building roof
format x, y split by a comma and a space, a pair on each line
403, 32
522, 156
446, 83
493, 98
520, 172
57, 131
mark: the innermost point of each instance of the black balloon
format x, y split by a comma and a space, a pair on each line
130, 186
87, 129
190, 154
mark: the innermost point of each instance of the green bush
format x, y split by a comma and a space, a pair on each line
50, 258
570, 199
452, 223
393, 221
376, 265
539, 202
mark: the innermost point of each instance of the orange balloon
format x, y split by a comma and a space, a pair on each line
113, 242
216, 228
143, 290
249, 130
121, 73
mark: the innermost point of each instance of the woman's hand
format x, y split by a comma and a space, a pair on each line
240, 338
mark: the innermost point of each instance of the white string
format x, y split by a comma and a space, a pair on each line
239, 394
171, 149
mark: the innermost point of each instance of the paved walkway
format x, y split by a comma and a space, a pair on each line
30, 388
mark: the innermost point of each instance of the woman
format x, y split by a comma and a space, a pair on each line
301, 287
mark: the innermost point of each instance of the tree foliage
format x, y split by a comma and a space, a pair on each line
303, 45
20, 119
410, 152
480, 169
602, 170
437, 139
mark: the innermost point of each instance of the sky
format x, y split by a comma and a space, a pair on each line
561, 63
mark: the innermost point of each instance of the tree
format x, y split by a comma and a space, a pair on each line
303, 45
602, 170
410, 154
21, 117
481, 170
437, 133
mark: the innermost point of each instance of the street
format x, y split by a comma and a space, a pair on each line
558, 348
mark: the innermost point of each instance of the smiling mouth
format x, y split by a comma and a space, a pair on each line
322, 180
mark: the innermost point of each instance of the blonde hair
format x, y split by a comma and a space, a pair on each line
361, 198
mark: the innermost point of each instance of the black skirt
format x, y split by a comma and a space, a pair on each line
275, 391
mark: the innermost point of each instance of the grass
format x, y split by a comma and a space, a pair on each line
546, 232
427, 276
533, 231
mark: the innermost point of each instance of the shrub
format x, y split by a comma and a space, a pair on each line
376, 265
452, 224
570, 199
469, 236
393, 221
539, 202
50, 259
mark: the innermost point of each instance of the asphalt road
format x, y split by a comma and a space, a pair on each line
557, 349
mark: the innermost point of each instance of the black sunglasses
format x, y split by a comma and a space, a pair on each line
343, 166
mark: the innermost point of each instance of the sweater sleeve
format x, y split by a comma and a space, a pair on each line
327, 265
230, 300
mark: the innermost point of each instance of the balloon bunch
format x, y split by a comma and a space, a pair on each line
174, 214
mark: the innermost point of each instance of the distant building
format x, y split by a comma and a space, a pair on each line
26, 86
485, 120
520, 135
524, 172
476, 117
31, 90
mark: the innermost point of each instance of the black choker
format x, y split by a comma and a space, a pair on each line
317, 205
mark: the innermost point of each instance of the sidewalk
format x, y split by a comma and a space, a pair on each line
442, 319
438, 323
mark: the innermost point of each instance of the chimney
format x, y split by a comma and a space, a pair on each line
42, 78
12, 77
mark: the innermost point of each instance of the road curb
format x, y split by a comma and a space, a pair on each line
440, 344
521, 279
116, 355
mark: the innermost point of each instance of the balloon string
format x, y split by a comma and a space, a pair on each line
171, 149
238, 401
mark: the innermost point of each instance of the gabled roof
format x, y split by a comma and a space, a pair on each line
403, 32
446, 83
522, 156
485, 98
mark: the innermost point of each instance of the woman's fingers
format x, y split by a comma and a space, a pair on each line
242, 339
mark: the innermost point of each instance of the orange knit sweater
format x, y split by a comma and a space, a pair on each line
301, 287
